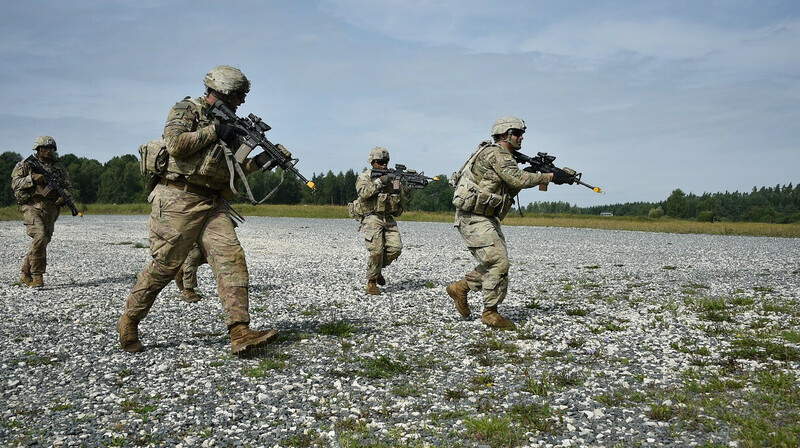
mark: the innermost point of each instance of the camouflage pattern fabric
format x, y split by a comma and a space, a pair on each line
190, 265
382, 239
38, 209
381, 235
178, 220
487, 244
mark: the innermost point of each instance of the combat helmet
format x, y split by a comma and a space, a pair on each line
227, 80
378, 153
44, 140
503, 124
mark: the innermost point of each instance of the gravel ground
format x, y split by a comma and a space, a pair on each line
597, 311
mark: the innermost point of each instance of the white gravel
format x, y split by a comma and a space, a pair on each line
66, 382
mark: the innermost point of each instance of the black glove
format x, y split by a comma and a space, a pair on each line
264, 159
226, 133
561, 177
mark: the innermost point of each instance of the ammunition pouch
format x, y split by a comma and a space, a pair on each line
153, 158
469, 197
354, 209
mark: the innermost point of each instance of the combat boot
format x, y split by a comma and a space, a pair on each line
129, 334
37, 281
458, 291
372, 288
26, 278
493, 319
380, 280
243, 339
188, 295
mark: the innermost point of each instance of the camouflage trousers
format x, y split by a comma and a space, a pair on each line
178, 220
382, 239
40, 220
486, 242
190, 265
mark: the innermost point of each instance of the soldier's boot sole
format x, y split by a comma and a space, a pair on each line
26, 279
458, 292
380, 280
252, 340
129, 334
493, 319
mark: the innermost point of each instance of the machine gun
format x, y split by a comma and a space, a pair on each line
410, 177
54, 182
543, 163
253, 130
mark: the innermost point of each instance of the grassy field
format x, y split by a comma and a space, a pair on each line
638, 223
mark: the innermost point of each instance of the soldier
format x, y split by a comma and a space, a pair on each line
380, 202
189, 205
40, 206
186, 278
484, 191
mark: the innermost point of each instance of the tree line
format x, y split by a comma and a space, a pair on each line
119, 181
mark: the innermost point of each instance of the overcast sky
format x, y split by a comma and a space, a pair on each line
641, 96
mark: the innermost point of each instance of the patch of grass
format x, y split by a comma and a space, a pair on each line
660, 412
454, 394
341, 329
742, 301
538, 417
577, 312
405, 390
383, 367
276, 361
791, 336
669, 267
533, 304
576, 343
758, 350
764, 289
495, 432
482, 380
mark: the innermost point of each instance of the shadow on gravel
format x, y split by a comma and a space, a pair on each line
126, 279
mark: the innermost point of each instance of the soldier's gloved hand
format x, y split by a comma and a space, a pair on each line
38, 178
226, 133
384, 179
561, 177
60, 201
264, 161
284, 151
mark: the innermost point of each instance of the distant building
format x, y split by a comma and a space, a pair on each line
606, 214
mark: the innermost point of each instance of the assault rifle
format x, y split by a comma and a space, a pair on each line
252, 130
54, 181
543, 163
410, 177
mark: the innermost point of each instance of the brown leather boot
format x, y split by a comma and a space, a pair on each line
26, 278
372, 288
37, 281
493, 319
458, 291
188, 295
243, 339
129, 334
380, 280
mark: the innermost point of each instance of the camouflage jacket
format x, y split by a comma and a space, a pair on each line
26, 191
489, 181
375, 197
196, 153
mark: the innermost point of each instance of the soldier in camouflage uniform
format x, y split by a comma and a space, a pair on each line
189, 205
40, 207
380, 202
186, 278
484, 191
